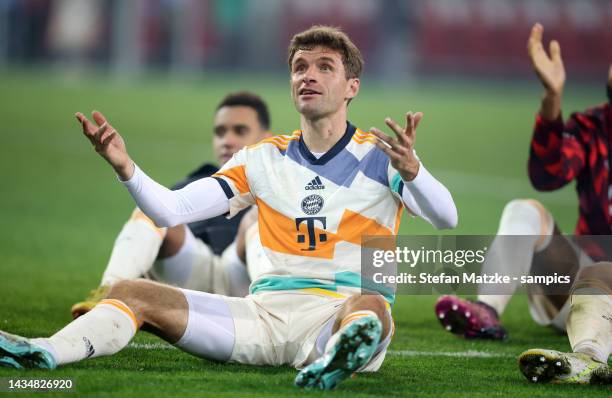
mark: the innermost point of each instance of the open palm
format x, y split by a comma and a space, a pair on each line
105, 140
549, 69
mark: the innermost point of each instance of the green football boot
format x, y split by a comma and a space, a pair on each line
19, 353
354, 346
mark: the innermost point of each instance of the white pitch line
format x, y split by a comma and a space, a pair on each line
452, 354
397, 353
151, 346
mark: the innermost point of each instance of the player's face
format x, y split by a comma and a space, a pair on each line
319, 86
234, 128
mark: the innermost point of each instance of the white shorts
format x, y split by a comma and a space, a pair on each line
287, 327
269, 328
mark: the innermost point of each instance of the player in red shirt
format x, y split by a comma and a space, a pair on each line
580, 150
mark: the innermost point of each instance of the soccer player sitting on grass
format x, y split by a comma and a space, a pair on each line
308, 311
201, 255
578, 150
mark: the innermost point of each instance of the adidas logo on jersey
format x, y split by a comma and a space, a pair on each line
316, 183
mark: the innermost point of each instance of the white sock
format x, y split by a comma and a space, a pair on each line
104, 330
513, 256
135, 249
589, 324
192, 267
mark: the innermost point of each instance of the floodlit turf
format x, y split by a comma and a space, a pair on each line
61, 209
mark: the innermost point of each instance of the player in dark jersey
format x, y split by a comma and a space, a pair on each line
580, 150
202, 256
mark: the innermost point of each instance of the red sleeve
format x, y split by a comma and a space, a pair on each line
557, 153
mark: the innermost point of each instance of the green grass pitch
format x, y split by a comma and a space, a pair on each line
61, 209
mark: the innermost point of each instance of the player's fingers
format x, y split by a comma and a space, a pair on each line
98, 117
388, 151
88, 127
555, 51
410, 125
380, 135
535, 49
384, 138
418, 116
397, 129
100, 132
416, 119
535, 37
105, 136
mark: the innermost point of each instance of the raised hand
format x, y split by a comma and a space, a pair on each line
108, 143
549, 69
401, 149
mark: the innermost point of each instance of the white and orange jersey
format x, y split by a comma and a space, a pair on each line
313, 212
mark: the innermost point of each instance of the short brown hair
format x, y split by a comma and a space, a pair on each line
332, 38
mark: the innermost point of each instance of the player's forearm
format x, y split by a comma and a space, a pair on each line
426, 197
550, 108
199, 200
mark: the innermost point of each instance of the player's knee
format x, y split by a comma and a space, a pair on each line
532, 215
372, 302
132, 293
518, 206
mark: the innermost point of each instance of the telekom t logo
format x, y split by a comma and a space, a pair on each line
310, 226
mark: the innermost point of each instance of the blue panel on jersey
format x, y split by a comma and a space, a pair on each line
374, 165
343, 167
340, 170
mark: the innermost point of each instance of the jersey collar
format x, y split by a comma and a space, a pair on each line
327, 156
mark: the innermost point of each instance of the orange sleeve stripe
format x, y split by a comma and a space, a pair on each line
361, 133
280, 142
137, 214
121, 306
371, 141
237, 175
365, 138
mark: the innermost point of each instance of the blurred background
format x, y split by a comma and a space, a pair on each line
399, 38
158, 68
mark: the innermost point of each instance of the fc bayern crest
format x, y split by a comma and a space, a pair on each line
312, 204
